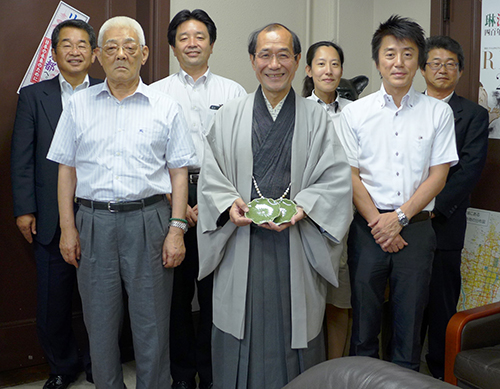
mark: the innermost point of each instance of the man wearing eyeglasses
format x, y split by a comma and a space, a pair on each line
442, 71
128, 145
192, 35
270, 279
34, 186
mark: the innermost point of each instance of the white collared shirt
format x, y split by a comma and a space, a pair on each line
334, 109
393, 148
274, 112
67, 89
446, 99
200, 100
122, 150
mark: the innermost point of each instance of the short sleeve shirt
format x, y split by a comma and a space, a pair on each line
394, 148
122, 150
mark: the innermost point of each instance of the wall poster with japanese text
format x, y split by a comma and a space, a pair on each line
42, 65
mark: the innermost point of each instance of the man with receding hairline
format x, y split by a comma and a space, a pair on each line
442, 71
270, 280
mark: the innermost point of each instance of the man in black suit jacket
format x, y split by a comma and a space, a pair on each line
442, 71
34, 185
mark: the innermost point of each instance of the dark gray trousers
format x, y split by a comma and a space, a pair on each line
126, 248
408, 273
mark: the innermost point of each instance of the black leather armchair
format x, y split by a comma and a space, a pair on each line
473, 348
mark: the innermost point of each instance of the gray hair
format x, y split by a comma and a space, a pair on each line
121, 21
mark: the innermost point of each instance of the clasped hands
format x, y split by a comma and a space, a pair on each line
386, 232
192, 215
237, 216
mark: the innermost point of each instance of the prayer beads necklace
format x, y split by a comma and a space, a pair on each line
260, 194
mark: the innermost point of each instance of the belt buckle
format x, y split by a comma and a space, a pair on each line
193, 178
109, 206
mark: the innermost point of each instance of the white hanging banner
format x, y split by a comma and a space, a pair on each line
480, 266
42, 66
489, 89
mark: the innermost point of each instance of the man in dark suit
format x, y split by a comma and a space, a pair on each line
442, 71
34, 185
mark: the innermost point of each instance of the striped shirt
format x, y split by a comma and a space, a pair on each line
122, 150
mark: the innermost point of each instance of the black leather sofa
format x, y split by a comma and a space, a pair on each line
363, 373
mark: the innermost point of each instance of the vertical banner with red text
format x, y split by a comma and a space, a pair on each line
42, 65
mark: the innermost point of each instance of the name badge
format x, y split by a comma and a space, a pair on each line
215, 107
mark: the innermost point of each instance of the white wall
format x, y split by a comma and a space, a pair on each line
419, 11
350, 23
235, 20
355, 30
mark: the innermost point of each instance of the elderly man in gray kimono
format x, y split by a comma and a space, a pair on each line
270, 280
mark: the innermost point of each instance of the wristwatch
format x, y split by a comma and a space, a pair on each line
179, 224
403, 220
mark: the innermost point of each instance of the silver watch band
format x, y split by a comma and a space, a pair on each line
179, 224
402, 219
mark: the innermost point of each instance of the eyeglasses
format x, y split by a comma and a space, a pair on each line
282, 57
438, 65
67, 47
112, 49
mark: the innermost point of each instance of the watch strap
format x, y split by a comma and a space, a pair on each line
179, 224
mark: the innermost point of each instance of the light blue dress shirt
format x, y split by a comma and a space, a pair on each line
122, 150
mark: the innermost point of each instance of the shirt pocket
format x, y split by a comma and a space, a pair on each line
208, 120
150, 144
421, 148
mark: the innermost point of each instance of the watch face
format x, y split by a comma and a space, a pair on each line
403, 220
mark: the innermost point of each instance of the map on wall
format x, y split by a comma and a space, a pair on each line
480, 260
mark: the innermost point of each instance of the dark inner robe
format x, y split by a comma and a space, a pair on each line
264, 358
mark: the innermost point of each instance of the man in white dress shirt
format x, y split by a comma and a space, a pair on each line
129, 146
192, 35
400, 145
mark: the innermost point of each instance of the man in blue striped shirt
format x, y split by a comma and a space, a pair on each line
129, 146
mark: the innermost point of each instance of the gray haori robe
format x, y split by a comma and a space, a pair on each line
321, 184
264, 357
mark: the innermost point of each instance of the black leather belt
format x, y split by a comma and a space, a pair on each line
419, 217
193, 178
121, 206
